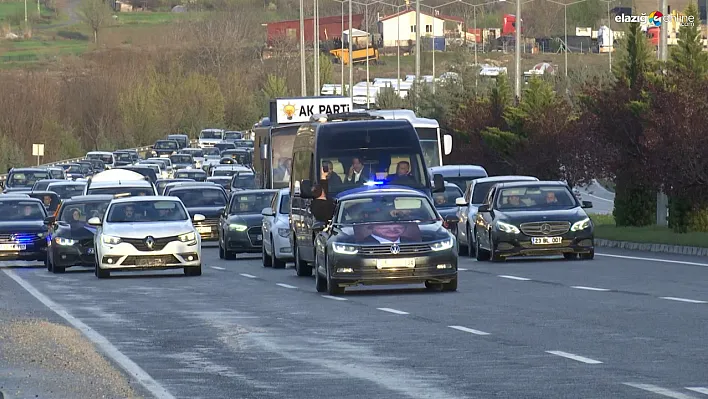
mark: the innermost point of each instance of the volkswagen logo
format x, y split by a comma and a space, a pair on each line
150, 242
546, 228
13, 237
395, 249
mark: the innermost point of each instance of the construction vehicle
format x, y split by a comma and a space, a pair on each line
359, 55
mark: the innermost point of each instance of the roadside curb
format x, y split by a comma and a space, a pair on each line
665, 248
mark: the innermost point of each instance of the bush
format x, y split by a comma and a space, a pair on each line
634, 205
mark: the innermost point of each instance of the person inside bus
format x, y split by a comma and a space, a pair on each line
282, 172
356, 173
329, 174
321, 207
403, 176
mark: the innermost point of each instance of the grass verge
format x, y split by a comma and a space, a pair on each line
605, 228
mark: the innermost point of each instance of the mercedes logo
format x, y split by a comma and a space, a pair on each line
546, 228
395, 249
150, 242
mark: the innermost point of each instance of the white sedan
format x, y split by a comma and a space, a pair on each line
276, 231
147, 233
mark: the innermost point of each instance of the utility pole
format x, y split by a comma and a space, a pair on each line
417, 41
518, 50
315, 45
25, 13
663, 32
565, 43
366, 19
303, 64
611, 32
317, 49
341, 37
349, 56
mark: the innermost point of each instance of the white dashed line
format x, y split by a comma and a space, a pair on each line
459, 269
600, 198
394, 311
671, 298
680, 262
142, 377
577, 358
218, 268
659, 390
247, 275
469, 330
336, 298
286, 286
515, 278
580, 287
702, 390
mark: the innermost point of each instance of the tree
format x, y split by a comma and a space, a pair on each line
96, 14
688, 58
635, 61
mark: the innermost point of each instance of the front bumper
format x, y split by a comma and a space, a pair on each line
73, 255
208, 229
35, 250
578, 242
363, 270
250, 240
125, 256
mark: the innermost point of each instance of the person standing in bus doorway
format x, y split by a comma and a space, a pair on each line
282, 172
356, 172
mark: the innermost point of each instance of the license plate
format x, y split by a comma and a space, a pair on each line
546, 240
89, 251
259, 237
206, 229
395, 263
151, 262
13, 247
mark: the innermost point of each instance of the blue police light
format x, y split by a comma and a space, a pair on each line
373, 183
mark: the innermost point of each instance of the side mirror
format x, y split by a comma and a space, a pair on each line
268, 212
452, 220
438, 184
483, 208
460, 201
318, 226
447, 144
264, 152
198, 218
305, 189
49, 220
94, 221
587, 204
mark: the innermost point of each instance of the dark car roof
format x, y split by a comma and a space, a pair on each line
89, 198
458, 170
18, 198
531, 184
258, 191
30, 170
366, 192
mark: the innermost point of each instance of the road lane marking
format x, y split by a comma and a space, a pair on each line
577, 358
469, 330
99, 340
394, 311
702, 390
580, 287
247, 275
461, 270
680, 262
515, 278
600, 198
217, 268
286, 285
671, 298
659, 390
336, 298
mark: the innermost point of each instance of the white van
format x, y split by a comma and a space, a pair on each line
107, 157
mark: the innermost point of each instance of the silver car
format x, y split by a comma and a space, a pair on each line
145, 233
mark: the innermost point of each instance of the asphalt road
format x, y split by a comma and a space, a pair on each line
603, 201
626, 325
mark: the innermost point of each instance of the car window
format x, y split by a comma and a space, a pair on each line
252, 203
385, 208
285, 204
80, 212
481, 191
146, 212
26, 179
213, 151
224, 172
199, 197
535, 197
57, 173
181, 158
166, 145
194, 153
210, 134
21, 211
447, 199
123, 157
66, 191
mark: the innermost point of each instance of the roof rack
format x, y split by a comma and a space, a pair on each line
344, 116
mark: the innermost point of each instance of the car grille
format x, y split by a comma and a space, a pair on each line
253, 234
406, 249
418, 271
139, 243
88, 242
5, 238
166, 259
538, 229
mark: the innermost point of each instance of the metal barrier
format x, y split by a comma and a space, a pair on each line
140, 150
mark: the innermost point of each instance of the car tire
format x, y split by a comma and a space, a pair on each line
277, 263
493, 254
588, 256
267, 259
320, 282
221, 250
57, 270
193, 271
451, 286
332, 287
48, 263
229, 255
100, 273
302, 269
480, 254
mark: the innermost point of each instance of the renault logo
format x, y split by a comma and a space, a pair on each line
395, 249
150, 242
546, 228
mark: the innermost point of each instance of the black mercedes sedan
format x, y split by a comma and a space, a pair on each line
23, 229
385, 236
533, 218
70, 236
204, 199
241, 224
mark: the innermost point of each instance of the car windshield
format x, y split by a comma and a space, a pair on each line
463, 182
252, 203
225, 146
447, 199
224, 182
224, 172
146, 212
181, 158
212, 151
200, 197
166, 145
57, 173
385, 208
123, 157
285, 204
41, 185
121, 191
210, 135
245, 181
479, 195
244, 143
66, 191
19, 211
80, 212
195, 153
27, 179
535, 197
195, 175
232, 136
105, 158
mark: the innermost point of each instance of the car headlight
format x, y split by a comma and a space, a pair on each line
508, 228
164, 175
188, 237
238, 227
581, 225
111, 240
442, 245
40, 235
344, 249
284, 232
64, 241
